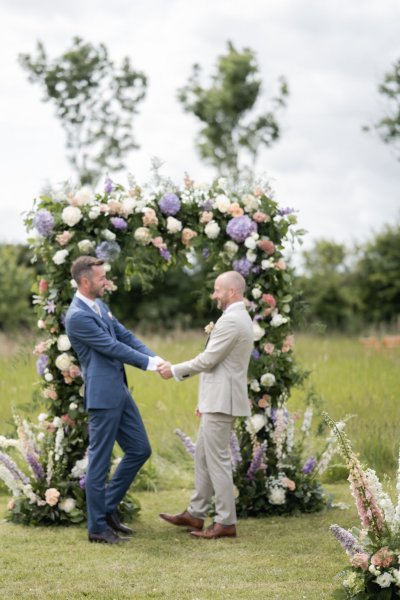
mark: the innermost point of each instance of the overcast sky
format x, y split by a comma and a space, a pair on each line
343, 182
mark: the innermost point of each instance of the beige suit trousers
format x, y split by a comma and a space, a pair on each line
213, 469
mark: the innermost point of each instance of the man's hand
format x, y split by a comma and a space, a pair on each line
165, 370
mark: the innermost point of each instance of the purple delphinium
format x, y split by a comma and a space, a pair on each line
165, 253
242, 266
286, 211
239, 228
256, 461
169, 204
35, 465
187, 442
346, 539
12, 467
108, 251
309, 465
108, 185
255, 355
119, 223
44, 222
82, 482
41, 364
236, 457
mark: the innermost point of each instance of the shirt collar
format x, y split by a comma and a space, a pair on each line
233, 305
84, 299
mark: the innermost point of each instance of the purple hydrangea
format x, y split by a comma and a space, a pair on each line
119, 223
169, 204
239, 228
44, 222
242, 266
41, 364
108, 251
108, 186
309, 465
165, 253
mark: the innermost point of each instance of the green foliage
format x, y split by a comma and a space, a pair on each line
95, 101
226, 108
15, 285
389, 126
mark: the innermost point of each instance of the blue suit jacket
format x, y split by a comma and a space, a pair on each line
103, 345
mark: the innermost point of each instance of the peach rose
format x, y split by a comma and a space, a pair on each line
258, 192
68, 421
158, 242
269, 299
11, 504
264, 401
50, 393
74, 371
289, 484
261, 217
187, 235
235, 210
64, 238
360, 561
150, 217
52, 495
268, 348
288, 343
383, 558
115, 207
267, 246
206, 217
280, 265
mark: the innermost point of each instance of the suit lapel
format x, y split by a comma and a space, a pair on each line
83, 306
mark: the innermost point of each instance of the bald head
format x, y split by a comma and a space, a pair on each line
229, 287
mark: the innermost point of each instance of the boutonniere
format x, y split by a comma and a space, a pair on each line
110, 315
208, 328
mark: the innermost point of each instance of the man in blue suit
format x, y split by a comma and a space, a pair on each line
103, 345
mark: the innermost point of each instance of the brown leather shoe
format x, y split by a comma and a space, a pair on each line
216, 530
184, 519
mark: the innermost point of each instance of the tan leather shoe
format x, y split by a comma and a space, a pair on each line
184, 519
216, 530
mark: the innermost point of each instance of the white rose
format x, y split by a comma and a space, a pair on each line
277, 495
384, 580
60, 256
67, 505
63, 361
222, 203
71, 215
63, 343
143, 236
48, 377
108, 235
41, 324
250, 242
128, 205
42, 417
231, 249
267, 380
277, 320
251, 255
84, 196
173, 225
254, 385
212, 230
73, 406
57, 422
266, 264
258, 332
250, 203
256, 293
85, 246
94, 212
255, 423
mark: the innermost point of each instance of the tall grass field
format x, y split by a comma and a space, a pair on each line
276, 558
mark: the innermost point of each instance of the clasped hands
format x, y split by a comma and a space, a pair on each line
164, 368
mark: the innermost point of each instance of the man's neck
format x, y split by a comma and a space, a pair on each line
87, 295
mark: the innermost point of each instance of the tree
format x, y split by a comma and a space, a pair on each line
95, 102
224, 109
15, 284
389, 126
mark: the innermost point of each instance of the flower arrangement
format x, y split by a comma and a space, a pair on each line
373, 550
146, 229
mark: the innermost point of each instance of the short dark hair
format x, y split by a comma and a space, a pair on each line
82, 267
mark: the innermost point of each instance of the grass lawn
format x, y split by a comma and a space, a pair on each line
287, 558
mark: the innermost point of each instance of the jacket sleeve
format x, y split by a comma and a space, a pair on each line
220, 345
85, 329
127, 338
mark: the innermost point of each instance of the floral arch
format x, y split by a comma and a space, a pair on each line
242, 229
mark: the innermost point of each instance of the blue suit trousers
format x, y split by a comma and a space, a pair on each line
124, 425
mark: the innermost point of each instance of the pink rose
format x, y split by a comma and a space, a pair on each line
267, 246
280, 265
50, 393
383, 558
268, 348
206, 217
43, 286
264, 401
269, 299
260, 217
360, 561
235, 210
68, 421
149, 217
158, 242
74, 371
64, 238
258, 192
40, 348
288, 343
114, 207
52, 495
289, 484
11, 504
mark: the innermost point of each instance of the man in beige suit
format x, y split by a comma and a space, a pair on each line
222, 397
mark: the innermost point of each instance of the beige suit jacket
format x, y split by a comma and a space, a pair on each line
223, 365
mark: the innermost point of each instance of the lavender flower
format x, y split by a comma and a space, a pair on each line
44, 222
309, 465
50, 307
108, 185
35, 465
286, 211
82, 482
239, 228
242, 266
165, 253
205, 253
207, 205
12, 467
256, 270
255, 355
187, 442
169, 204
236, 457
346, 539
108, 251
119, 223
256, 462
41, 364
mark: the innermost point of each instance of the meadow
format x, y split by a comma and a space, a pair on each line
277, 558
